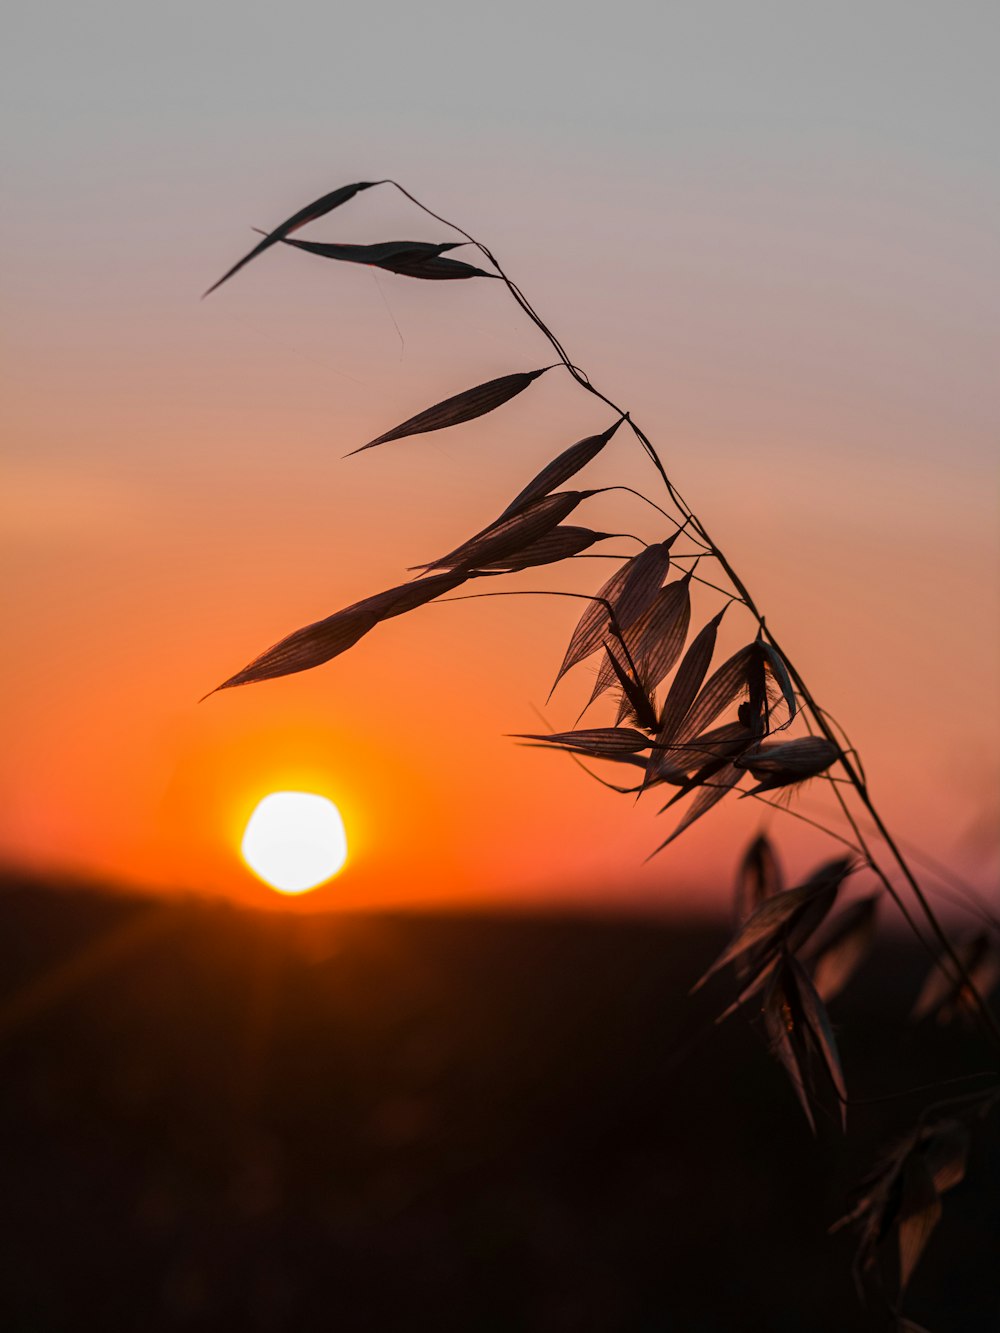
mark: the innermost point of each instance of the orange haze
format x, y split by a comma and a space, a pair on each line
802, 324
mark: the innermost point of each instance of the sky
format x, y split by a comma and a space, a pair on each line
769, 230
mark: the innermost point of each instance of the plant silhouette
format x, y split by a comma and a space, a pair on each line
698, 732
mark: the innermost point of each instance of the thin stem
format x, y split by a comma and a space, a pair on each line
963, 894
926, 1087
813, 823
963, 976
706, 550
726, 592
986, 1018
974, 899
980, 913
602, 555
613, 624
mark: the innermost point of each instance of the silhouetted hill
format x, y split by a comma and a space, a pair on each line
216, 1119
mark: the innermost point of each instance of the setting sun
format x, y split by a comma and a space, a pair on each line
294, 841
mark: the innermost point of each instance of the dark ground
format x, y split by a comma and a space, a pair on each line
214, 1119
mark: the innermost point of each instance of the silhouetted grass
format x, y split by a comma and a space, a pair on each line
698, 731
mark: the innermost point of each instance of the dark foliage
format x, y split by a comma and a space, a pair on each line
218, 1119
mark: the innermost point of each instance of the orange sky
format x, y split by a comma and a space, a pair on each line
799, 310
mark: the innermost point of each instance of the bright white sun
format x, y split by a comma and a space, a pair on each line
295, 841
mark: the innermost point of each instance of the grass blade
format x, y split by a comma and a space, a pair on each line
509, 537
845, 948
779, 671
629, 590
718, 693
559, 544
919, 1214
688, 681
599, 742
461, 407
645, 714
566, 465
771, 923
678, 763
655, 640
317, 209
412, 259
782, 1031
759, 877
782, 763
723, 780
317, 643
661, 631
818, 1023
946, 1151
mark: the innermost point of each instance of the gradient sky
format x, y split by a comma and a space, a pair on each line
770, 230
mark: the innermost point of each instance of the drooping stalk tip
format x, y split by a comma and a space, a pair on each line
762, 664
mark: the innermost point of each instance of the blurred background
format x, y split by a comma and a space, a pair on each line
767, 230
216, 1118
464, 1086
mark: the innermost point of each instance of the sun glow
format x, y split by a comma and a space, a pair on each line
294, 841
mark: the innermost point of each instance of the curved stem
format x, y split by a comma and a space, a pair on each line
986, 1018
805, 819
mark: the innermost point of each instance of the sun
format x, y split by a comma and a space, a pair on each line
294, 841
